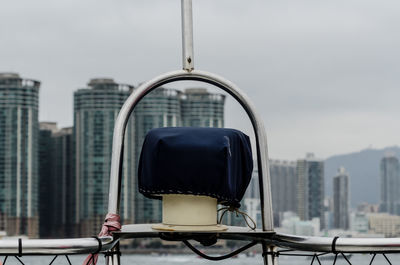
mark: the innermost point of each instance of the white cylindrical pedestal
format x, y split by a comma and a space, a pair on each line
189, 213
189, 210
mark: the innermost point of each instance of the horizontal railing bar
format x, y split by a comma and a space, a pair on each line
15, 246
341, 244
300, 243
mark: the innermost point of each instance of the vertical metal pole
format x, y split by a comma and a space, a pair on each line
114, 259
187, 35
270, 259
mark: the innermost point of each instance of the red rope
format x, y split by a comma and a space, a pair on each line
111, 224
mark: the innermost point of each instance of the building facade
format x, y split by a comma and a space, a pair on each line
95, 111
201, 108
57, 182
310, 175
390, 184
46, 181
341, 200
283, 188
384, 223
19, 128
63, 170
160, 108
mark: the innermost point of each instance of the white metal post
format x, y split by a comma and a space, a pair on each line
187, 35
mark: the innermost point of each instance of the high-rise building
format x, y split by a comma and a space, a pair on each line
160, 108
57, 182
390, 184
283, 187
63, 168
310, 175
19, 127
95, 111
341, 200
201, 108
46, 179
64, 190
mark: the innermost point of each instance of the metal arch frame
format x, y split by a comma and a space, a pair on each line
188, 73
194, 75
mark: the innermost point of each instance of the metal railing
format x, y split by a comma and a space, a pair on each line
20, 247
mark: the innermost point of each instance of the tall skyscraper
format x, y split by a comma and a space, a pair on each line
95, 111
201, 108
160, 108
47, 179
341, 200
310, 175
390, 184
57, 182
284, 187
62, 168
19, 103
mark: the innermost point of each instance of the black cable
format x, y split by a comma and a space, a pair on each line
334, 262
100, 245
19, 247
20, 261
386, 258
51, 262
373, 257
334, 244
348, 261
69, 262
234, 253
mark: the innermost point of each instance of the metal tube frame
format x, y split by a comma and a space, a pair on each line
189, 73
195, 75
55, 246
340, 244
187, 35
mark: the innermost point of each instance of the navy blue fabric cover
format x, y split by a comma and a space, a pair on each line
214, 162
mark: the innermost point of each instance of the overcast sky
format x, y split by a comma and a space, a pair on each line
324, 75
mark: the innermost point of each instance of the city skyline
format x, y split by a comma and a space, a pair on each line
78, 157
95, 109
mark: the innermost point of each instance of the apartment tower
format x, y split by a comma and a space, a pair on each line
19, 127
201, 108
95, 110
390, 184
310, 176
283, 187
341, 200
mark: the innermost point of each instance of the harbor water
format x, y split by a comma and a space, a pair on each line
194, 260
